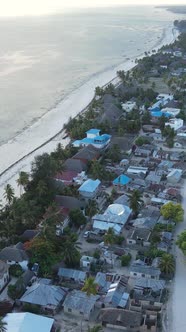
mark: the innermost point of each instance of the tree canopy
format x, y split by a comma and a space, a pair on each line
172, 211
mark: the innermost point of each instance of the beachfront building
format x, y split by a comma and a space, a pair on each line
175, 123
129, 106
162, 100
115, 217
171, 110
94, 138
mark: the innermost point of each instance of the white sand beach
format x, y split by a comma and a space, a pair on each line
14, 154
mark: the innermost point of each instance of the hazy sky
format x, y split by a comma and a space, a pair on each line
32, 7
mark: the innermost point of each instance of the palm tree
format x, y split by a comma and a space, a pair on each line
135, 201
96, 328
42, 188
2, 325
9, 193
167, 264
23, 180
70, 251
90, 286
109, 237
91, 208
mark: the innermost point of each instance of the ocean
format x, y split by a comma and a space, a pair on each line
44, 59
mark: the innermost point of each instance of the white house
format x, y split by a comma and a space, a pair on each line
178, 54
4, 274
137, 170
15, 255
174, 176
128, 106
86, 261
171, 110
175, 123
94, 138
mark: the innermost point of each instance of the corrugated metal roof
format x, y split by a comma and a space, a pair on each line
72, 274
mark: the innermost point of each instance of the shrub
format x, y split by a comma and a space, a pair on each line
125, 259
16, 270
34, 309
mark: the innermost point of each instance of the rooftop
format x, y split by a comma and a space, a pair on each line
90, 186
27, 322
44, 295
145, 269
80, 301
121, 317
72, 274
121, 180
93, 131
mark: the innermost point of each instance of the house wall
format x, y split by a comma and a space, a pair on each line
23, 264
4, 280
142, 275
87, 194
123, 328
77, 313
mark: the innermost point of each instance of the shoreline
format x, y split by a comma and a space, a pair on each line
15, 162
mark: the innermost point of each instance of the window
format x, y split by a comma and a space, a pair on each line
69, 310
152, 277
135, 274
143, 275
130, 241
81, 312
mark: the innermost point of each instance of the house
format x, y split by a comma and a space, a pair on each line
115, 216
78, 303
144, 271
178, 53
139, 236
156, 201
144, 223
111, 114
89, 188
70, 203
4, 274
143, 152
123, 199
103, 281
137, 170
153, 178
148, 286
94, 138
129, 106
86, 261
47, 297
124, 162
75, 165
72, 275
174, 176
121, 319
27, 322
14, 255
171, 110
121, 181
116, 295
174, 123
65, 178
86, 154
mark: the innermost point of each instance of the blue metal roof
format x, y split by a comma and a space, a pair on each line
158, 114
90, 185
122, 180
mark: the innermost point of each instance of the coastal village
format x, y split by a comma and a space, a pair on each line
89, 245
